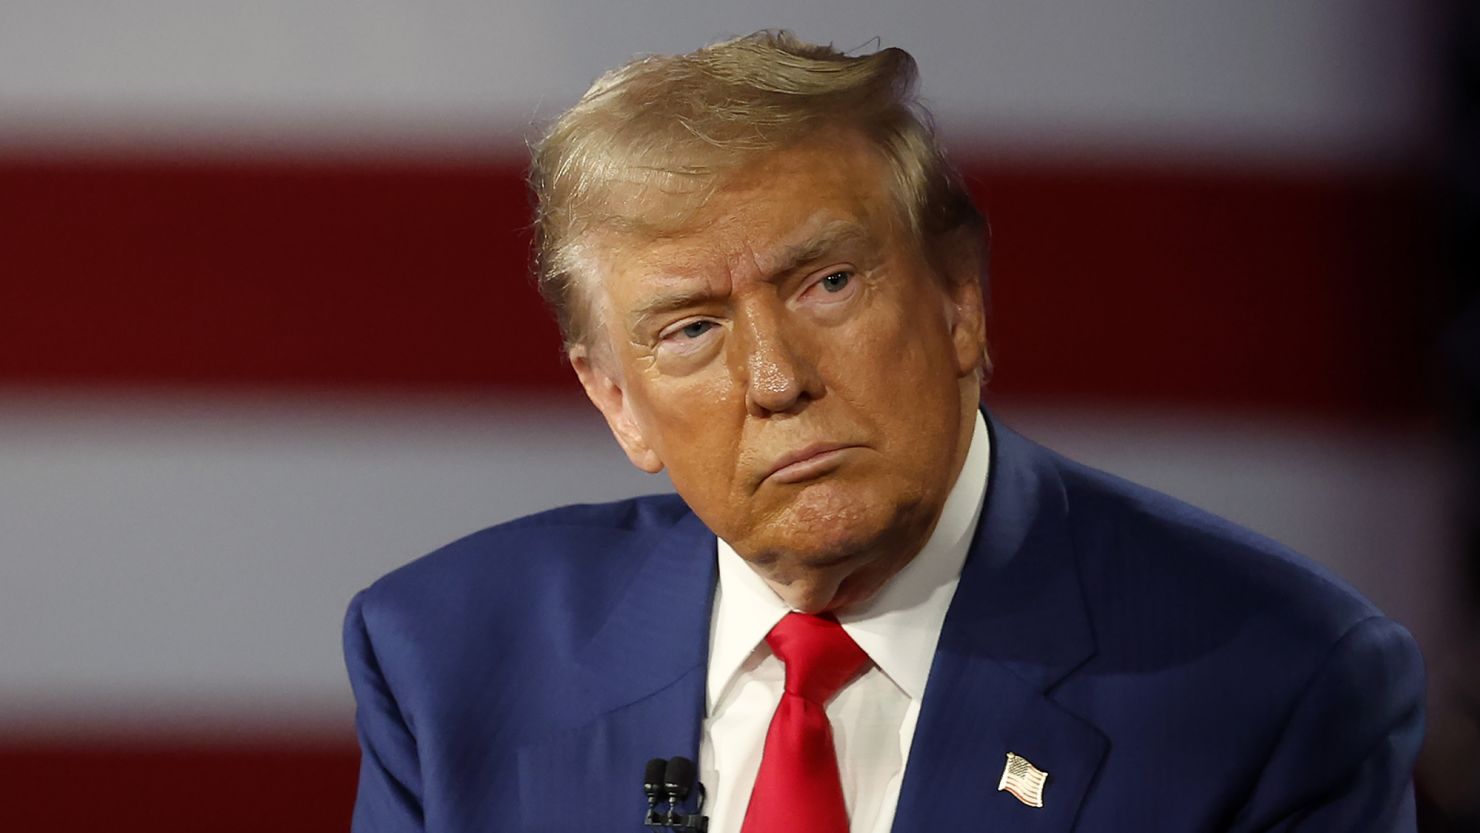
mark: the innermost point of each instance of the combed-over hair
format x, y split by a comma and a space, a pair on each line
676, 123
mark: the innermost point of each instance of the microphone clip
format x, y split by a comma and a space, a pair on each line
669, 782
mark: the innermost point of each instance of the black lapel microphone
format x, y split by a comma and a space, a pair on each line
652, 786
670, 782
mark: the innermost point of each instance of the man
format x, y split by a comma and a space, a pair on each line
871, 607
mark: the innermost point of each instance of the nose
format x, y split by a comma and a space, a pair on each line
778, 373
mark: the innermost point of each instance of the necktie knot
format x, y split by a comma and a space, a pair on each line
797, 787
820, 656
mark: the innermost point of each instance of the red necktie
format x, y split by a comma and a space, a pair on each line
797, 788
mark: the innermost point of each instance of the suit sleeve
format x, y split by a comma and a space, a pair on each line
389, 798
1345, 759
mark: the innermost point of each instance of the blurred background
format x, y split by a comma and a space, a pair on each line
266, 330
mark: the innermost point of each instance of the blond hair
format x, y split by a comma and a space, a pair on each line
675, 124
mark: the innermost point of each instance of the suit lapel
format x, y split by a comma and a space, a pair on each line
1016, 627
640, 690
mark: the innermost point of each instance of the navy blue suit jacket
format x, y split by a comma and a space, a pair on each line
1168, 670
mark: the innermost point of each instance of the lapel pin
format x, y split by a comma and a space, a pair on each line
1023, 780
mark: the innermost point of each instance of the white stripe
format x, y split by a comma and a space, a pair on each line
188, 560
1322, 79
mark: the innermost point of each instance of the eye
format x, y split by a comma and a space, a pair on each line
831, 291
835, 282
687, 331
694, 329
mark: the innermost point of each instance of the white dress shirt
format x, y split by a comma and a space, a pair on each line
873, 717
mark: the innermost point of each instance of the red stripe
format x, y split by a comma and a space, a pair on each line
1288, 290
165, 786
160, 786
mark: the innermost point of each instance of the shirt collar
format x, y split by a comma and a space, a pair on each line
897, 628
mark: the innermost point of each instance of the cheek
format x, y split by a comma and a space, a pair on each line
899, 373
691, 424
895, 344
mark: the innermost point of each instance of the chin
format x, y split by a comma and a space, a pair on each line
860, 513
829, 522
821, 541
817, 542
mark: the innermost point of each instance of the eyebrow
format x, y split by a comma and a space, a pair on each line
832, 236
665, 302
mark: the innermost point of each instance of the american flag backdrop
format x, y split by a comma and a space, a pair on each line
266, 329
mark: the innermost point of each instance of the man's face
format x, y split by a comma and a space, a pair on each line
795, 363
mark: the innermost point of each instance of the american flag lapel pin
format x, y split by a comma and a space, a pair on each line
1023, 780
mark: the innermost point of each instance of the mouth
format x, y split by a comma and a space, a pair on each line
808, 463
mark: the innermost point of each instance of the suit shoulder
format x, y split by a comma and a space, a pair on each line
580, 543
1262, 681
1159, 550
1194, 615
638, 513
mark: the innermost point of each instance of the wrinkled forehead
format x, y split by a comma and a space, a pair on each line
756, 216
795, 190
737, 251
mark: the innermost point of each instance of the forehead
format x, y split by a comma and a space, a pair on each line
779, 201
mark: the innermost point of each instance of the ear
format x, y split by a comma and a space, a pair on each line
965, 306
606, 393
